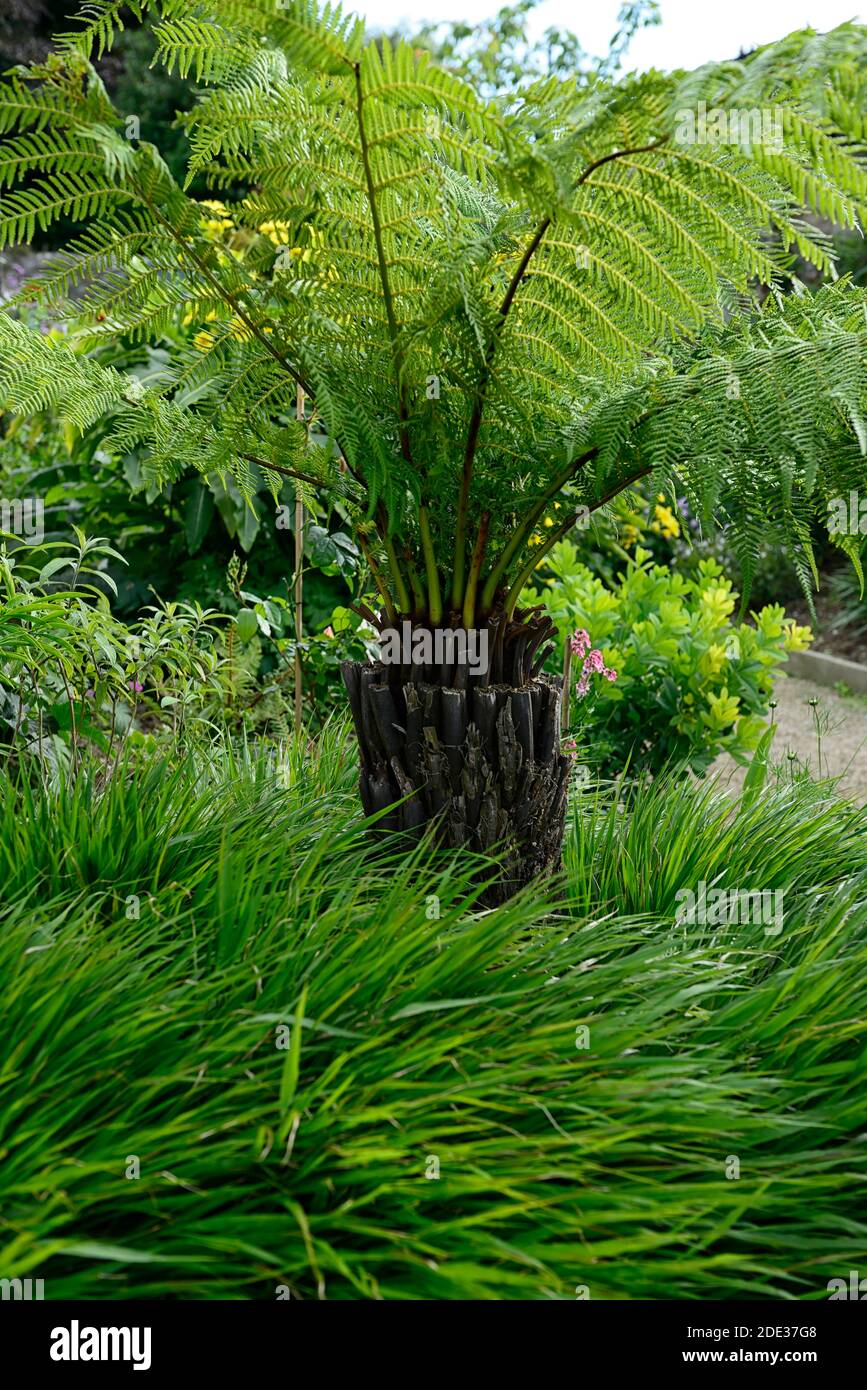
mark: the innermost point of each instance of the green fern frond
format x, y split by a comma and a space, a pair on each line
488, 305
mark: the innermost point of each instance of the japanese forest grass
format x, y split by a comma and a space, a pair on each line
260, 902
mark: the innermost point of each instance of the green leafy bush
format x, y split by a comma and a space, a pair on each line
690, 681
182, 544
74, 678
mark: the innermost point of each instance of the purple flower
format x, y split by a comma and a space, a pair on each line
136, 687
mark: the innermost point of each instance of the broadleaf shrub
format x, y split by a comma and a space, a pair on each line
692, 681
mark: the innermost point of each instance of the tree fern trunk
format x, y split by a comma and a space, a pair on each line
477, 756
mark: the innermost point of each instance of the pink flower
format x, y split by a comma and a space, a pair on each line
593, 662
135, 686
593, 665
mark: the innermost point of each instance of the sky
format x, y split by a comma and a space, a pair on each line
692, 31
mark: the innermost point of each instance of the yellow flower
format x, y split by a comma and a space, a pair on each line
204, 341
666, 522
219, 224
549, 521
210, 317
276, 232
535, 539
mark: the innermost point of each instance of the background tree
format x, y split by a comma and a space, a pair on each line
500, 57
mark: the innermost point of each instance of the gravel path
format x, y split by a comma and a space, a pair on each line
843, 725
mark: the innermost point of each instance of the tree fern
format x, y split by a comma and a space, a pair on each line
489, 306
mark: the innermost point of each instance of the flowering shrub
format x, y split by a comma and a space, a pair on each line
684, 680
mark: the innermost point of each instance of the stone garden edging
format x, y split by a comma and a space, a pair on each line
825, 669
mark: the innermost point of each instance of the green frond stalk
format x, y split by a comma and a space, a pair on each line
400, 590
378, 578
521, 532
557, 534
469, 608
435, 606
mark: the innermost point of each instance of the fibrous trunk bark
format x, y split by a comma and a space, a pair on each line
476, 756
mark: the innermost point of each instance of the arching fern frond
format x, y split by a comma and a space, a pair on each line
486, 303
